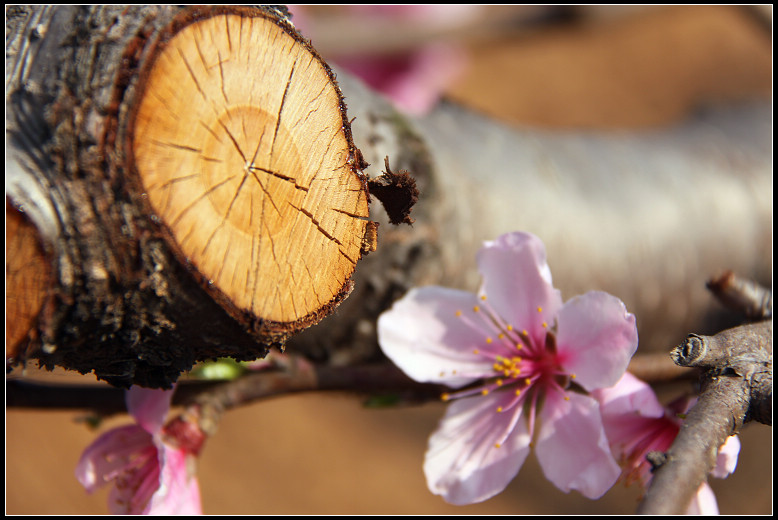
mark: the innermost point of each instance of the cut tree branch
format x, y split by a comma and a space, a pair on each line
193, 181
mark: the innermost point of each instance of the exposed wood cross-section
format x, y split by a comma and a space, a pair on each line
240, 143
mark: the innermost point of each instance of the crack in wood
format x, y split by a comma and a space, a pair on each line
317, 224
280, 176
191, 73
183, 147
281, 108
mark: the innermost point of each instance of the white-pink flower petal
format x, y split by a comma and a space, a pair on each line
463, 463
179, 491
629, 396
149, 406
726, 460
596, 338
517, 282
423, 335
109, 455
704, 502
572, 448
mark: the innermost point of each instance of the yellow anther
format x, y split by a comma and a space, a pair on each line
483, 297
485, 392
458, 313
567, 398
500, 335
509, 327
476, 308
517, 392
519, 346
445, 397
476, 351
540, 309
572, 376
527, 381
499, 409
545, 325
488, 340
497, 445
498, 382
524, 332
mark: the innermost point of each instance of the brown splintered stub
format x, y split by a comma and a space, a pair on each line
243, 149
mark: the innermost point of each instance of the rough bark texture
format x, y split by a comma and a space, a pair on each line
126, 303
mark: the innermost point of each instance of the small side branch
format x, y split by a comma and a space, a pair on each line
737, 388
743, 295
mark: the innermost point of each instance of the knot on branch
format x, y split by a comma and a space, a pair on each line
691, 352
656, 459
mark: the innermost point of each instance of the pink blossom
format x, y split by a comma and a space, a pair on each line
150, 475
636, 424
413, 79
533, 360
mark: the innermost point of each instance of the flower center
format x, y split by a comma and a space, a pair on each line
519, 362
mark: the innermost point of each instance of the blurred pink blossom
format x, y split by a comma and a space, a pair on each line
415, 79
534, 360
636, 424
150, 475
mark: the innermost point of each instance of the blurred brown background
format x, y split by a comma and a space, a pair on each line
621, 67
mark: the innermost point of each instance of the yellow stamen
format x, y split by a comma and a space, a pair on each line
484, 392
545, 325
483, 297
527, 381
488, 340
497, 445
476, 308
445, 397
499, 409
572, 376
476, 351
540, 309
509, 327
458, 313
567, 398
